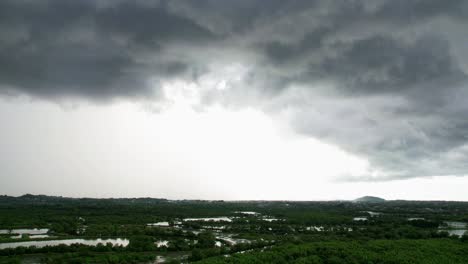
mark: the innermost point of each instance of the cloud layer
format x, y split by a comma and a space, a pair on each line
385, 79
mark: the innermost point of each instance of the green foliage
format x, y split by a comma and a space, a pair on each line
464, 238
141, 243
430, 251
206, 240
113, 258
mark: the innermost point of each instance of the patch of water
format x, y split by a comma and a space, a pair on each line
89, 242
214, 219
360, 218
271, 219
315, 228
162, 243
33, 231
454, 232
415, 218
163, 224
246, 212
232, 241
458, 225
372, 214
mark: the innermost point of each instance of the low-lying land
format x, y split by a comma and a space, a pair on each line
44, 229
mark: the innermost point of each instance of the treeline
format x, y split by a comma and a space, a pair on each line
62, 214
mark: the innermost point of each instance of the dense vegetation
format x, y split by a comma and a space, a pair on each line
376, 251
249, 232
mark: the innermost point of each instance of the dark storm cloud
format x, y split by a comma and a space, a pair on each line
79, 49
383, 79
382, 64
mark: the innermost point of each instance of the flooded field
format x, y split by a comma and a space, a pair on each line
89, 242
30, 231
207, 219
454, 228
363, 218
457, 232
163, 224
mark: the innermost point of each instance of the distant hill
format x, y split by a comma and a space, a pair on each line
30, 199
369, 199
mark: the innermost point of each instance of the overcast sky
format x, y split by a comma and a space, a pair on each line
245, 99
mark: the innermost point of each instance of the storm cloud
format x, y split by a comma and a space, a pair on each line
382, 79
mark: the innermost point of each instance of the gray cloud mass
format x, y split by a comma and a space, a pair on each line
383, 79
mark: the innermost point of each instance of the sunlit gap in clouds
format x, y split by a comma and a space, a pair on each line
244, 153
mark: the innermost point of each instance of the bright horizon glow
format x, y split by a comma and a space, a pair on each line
216, 149
181, 153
